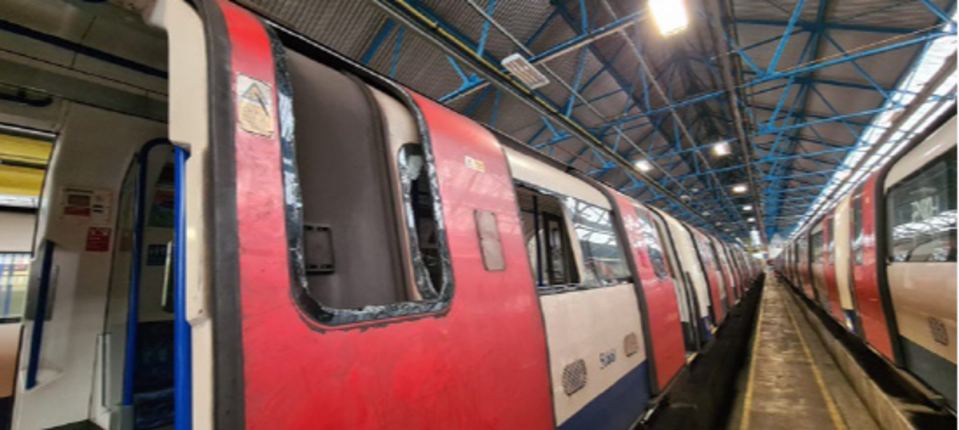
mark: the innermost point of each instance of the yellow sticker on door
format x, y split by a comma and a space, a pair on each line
254, 105
475, 164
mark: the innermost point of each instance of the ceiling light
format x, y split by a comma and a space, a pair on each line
748, 207
670, 16
524, 71
644, 166
722, 149
751, 219
706, 213
740, 188
685, 198
842, 174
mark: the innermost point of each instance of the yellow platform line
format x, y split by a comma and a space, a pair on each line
830, 405
744, 423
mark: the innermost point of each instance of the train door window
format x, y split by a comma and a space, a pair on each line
653, 243
817, 247
858, 250
922, 213
547, 238
362, 201
14, 273
602, 255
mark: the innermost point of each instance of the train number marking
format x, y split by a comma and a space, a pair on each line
607, 358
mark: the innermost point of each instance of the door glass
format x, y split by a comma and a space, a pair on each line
153, 352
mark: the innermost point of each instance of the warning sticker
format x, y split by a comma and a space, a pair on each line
98, 239
475, 164
254, 105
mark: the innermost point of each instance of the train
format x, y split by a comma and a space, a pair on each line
882, 261
307, 244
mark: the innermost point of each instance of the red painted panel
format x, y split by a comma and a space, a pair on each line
480, 364
866, 277
665, 323
829, 267
712, 273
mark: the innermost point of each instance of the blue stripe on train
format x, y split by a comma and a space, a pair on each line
850, 323
617, 407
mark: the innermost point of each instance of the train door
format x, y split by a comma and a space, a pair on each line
692, 318
919, 243
817, 270
664, 302
713, 276
691, 268
842, 238
603, 369
723, 272
876, 322
829, 265
805, 278
89, 358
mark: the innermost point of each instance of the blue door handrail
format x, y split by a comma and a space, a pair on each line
182, 348
40, 315
133, 316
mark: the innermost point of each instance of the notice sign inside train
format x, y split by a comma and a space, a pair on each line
254, 105
89, 205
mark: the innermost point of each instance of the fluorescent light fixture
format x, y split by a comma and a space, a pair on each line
670, 15
685, 198
748, 207
644, 166
842, 174
750, 219
740, 188
524, 71
706, 213
722, 149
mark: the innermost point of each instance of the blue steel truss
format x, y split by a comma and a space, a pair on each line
788, 135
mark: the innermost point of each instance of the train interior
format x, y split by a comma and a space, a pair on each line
102, 271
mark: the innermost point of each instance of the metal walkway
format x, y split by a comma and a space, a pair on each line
790, 381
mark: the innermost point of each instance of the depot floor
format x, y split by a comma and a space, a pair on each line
790, 381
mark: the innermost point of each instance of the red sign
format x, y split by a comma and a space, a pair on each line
98, 239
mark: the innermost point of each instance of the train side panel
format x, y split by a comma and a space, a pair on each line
920, 244
875, 322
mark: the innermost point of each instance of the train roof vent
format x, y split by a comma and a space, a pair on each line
524, 71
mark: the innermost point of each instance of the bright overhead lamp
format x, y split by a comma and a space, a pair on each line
842, 174
706, 213
524, 71
740, 188
670, 16
644, 166
722, 149
748, 207
751, 219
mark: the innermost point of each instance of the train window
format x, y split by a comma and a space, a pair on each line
362, 197
602, 256
14, 273
547, 238
653, 244
922, 214
858, 250
817, 247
